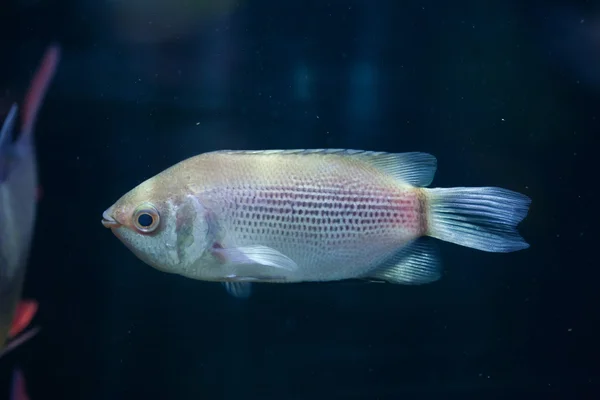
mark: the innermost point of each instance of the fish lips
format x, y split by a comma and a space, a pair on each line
108, 221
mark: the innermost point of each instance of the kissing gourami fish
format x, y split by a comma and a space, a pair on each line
309, 215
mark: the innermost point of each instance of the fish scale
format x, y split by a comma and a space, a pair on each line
324, 222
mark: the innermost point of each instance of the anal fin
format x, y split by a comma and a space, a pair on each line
415, 264
241, 290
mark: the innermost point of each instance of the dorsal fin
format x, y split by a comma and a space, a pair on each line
414, 168
37, 90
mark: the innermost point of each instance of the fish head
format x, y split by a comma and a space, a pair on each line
162, 224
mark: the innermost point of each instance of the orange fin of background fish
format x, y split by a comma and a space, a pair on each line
37, 90
18, 391
24, 313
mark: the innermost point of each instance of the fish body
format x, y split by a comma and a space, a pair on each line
308, 215
18, 197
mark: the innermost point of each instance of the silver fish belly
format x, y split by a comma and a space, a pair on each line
332, 230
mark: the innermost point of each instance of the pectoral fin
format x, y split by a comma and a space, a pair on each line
261, 255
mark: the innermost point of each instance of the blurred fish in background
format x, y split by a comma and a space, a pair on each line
151, 21
173, 31
18, 197
571, 35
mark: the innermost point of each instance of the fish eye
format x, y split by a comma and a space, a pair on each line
146, 218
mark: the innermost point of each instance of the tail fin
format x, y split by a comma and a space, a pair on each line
483, 218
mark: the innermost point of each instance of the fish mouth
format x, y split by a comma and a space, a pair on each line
108, 221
